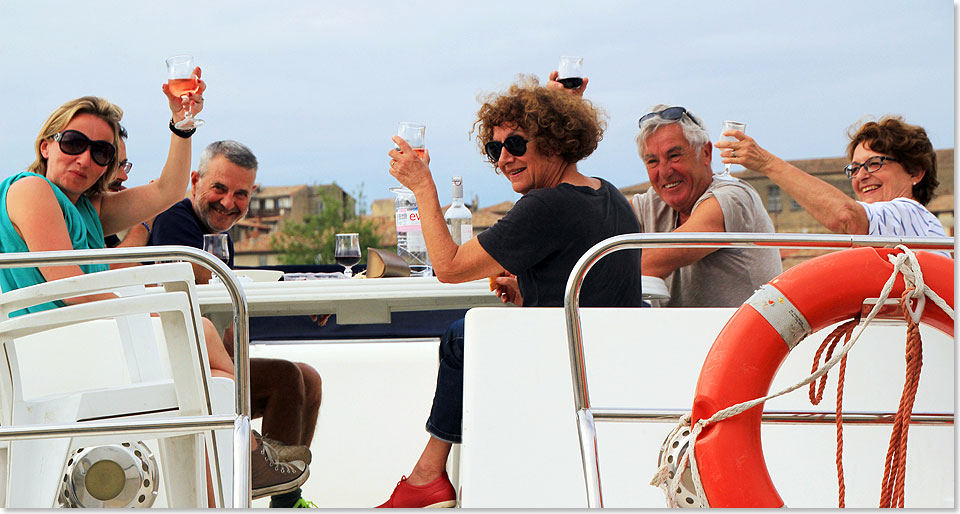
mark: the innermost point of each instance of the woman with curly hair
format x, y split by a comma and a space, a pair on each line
535, 136
894, 172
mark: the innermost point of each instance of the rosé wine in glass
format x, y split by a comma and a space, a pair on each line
182, 82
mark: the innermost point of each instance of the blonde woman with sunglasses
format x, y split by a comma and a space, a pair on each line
62, 201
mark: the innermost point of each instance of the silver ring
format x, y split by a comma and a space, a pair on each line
733, 153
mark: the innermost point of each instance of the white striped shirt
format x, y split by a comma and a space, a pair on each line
902, 217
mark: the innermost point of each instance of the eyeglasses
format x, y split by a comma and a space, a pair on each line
73, 142
515, 144
872, 165
671, 114
125, 166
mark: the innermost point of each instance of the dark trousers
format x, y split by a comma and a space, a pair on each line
446, 416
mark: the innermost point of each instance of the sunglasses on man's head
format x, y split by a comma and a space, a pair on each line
73, 142
670, 114
516, 145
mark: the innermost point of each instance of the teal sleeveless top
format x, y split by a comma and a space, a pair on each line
83, 225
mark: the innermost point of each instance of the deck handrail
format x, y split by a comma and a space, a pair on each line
586, 428
242, 494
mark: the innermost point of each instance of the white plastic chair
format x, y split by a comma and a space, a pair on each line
176, 381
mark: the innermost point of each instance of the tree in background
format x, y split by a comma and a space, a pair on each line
312, 240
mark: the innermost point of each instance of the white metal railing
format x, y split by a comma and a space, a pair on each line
240, 422
587, 414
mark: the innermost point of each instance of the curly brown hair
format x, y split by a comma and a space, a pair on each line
907, 143
558, 122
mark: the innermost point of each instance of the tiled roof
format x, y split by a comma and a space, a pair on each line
277, 191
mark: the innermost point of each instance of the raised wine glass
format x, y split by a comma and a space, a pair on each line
413, 133
347, 252
730, 125
183, 82
570, 71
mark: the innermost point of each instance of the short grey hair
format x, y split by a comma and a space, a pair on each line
235, 152
691, 125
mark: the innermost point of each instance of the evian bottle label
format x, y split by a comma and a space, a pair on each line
408, 221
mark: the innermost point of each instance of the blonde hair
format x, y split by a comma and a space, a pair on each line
60, 118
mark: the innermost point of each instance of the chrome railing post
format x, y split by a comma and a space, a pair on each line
571, 304
242, 493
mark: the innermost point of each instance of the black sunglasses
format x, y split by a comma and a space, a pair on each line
671, 114
872, 165
73, 142
516, 145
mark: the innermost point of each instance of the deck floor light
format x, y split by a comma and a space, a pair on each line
115, 475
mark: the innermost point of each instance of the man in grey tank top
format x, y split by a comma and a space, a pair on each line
684, 196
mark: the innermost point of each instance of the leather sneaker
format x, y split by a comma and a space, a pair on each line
289, 452
271, 476
439, 493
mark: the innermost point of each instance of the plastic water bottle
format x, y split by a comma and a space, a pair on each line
458, 217
410, 244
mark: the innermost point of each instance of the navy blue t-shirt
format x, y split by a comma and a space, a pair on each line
543, 236
179, 225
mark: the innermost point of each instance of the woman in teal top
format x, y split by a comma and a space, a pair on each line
62, 203
83, 227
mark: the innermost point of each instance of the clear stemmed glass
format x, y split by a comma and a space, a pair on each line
347, 252
216, 244
570, 71
182, 82
730, 125
413, 133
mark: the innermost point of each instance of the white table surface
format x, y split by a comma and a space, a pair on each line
354, 301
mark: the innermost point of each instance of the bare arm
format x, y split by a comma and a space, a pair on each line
660, 262
829, 205
133, 205
37, 217
451, 263
138, 235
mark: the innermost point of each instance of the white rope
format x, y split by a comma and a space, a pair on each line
913, 277
905, 263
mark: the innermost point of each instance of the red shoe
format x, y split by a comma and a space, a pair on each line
439, 493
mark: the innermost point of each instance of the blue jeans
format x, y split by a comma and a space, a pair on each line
446, 416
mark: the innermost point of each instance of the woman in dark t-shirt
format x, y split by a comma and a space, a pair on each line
535, 136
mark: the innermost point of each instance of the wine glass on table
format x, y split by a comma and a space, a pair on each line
570, 71
182, 83
347, 252
412, 133
216, 244
730, 125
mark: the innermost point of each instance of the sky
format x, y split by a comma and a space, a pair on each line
316, 88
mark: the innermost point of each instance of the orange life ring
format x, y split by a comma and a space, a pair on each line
746, 355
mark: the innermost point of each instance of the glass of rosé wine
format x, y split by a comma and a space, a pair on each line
183, 82
412, 133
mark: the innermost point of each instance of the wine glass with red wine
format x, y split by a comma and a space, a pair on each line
347, 252
570, 71
183, 82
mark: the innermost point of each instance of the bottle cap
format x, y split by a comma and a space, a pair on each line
457, 187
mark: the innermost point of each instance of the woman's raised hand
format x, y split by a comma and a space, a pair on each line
746, 152
192, 102
412, 171
554, 83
